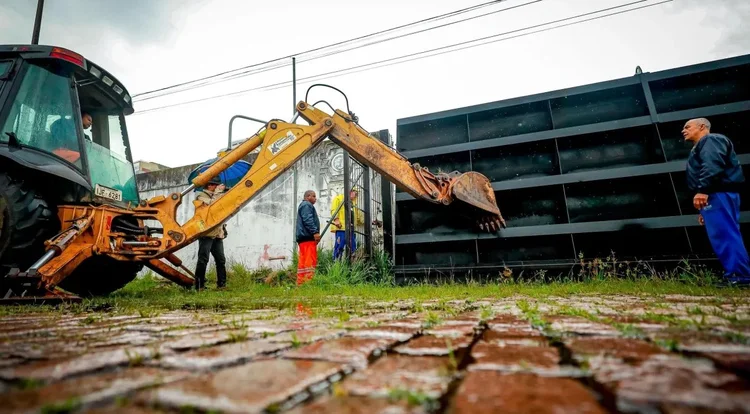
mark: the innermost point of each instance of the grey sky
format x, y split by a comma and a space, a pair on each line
730, 17
151, 44
152, 17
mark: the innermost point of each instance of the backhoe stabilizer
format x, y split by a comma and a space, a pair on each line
62, 257
40, 284
170, 273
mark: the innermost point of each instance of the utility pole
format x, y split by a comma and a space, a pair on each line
294, 168
294, 86
37, 22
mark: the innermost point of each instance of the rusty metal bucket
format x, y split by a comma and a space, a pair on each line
475, 190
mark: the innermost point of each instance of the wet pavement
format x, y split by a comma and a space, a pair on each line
585, 354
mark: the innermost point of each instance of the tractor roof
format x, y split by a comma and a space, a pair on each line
85, 70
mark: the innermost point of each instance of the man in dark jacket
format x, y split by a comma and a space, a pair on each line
716, 177
308, 236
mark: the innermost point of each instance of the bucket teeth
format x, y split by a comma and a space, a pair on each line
491, 224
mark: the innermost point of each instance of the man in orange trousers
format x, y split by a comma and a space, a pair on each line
308, 236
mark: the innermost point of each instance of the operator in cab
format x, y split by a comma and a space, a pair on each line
64, 140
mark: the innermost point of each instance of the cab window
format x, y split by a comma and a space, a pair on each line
5, 66
107, 153
109, 159
107, 131
41, 115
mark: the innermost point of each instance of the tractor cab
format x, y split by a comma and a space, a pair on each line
62, 119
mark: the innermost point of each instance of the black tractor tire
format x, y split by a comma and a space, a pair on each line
100, 276
26, 221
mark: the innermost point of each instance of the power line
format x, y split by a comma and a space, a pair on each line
366, 67
425, 30
412, 55
433, 18
334, 52
419, 55
210, 82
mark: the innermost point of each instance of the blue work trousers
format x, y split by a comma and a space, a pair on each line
722, 220
338, 247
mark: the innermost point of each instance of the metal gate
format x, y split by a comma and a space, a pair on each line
368, 230
358, 233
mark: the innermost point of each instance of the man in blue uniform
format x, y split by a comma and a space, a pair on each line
716, 177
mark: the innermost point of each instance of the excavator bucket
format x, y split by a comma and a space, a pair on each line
475, 190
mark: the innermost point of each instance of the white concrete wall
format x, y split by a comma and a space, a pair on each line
262, 234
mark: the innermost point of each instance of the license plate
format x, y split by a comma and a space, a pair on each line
109, 193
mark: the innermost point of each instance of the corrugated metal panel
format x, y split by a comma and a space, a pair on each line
576, 172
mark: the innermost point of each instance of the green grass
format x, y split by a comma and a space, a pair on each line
148, 296
340, 289
67, 406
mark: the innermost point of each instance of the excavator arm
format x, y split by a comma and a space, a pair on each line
281, 144
471, 188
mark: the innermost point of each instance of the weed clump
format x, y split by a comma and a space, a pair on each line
360, 270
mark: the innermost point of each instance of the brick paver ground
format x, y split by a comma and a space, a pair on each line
672, 354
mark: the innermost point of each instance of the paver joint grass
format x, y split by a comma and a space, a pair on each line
344, 288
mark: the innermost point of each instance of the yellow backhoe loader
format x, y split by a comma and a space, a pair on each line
71, 215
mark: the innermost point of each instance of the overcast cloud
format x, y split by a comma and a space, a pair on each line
151, 44
730, 18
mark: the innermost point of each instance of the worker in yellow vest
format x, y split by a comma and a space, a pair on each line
339, 222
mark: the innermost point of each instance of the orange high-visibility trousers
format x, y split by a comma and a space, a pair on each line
308, 260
